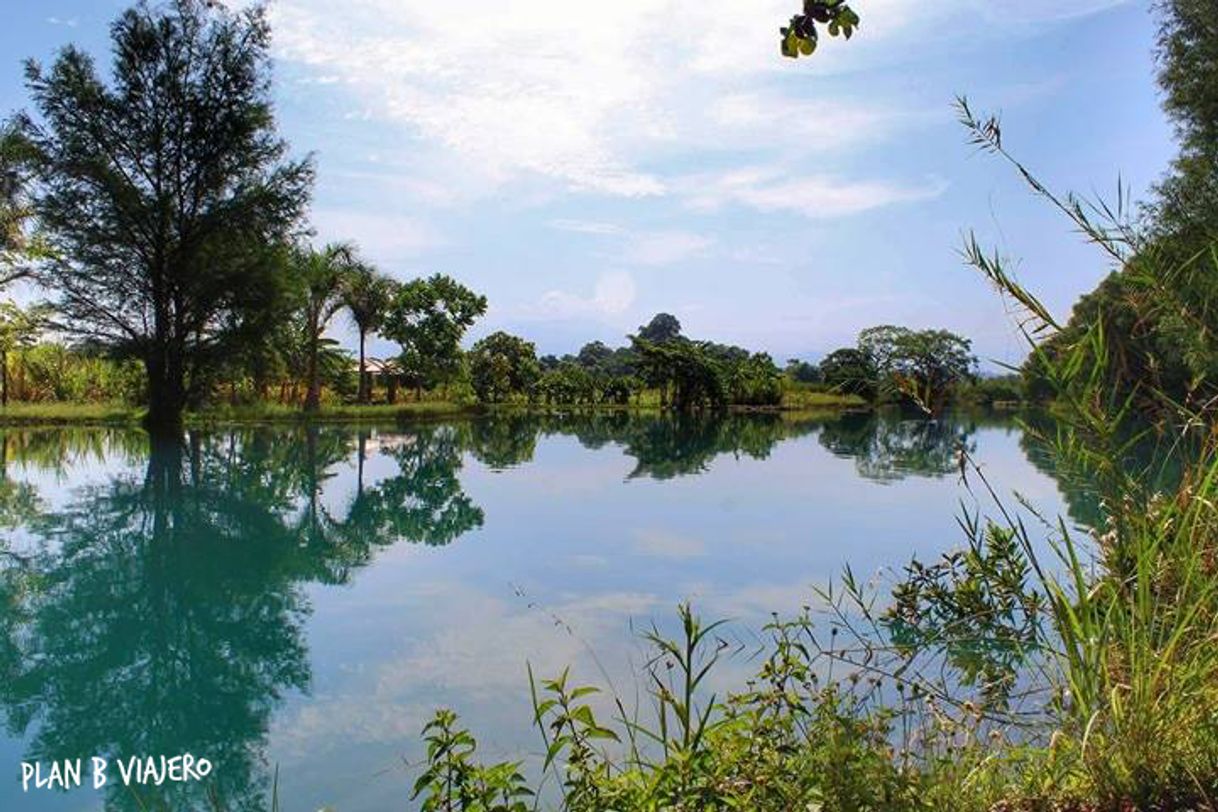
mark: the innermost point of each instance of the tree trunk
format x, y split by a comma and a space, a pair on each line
312, 402
4, 378
391, 390
362, 397
166, 393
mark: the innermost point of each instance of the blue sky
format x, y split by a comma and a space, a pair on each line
588, 167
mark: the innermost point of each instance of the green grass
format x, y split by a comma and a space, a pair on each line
279, 412
58, 413
55, 413
810, 399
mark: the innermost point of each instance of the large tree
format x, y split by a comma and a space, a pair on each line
159, 189
922, 365
501, 365
428, 318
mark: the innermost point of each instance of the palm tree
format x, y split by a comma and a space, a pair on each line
322, 276
367, 294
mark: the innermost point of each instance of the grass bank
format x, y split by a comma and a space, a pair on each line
120, 414
110, 414
57, 413
330, 413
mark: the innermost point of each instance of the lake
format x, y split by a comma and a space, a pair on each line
303, 598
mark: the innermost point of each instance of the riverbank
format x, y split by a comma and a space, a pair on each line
112, 414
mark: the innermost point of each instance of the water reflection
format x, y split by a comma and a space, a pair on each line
890, 447
662, 446
160, 607
160, 612
1157, 460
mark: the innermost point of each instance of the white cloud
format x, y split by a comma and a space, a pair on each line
652, 248
1041, 11
768, 189
589, 99
813, 125
614, 294
665, 247
384, 238
586, 227
514, 88
595, 97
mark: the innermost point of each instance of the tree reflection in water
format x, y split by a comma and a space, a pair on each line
162, 612
889, 446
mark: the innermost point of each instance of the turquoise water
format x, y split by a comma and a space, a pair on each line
302, 599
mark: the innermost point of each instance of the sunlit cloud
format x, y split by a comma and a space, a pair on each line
384, 238
614, 294
665, 247
586, 227
771, 189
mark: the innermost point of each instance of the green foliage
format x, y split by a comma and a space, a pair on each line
48, 372
159, 192
923, 366
993, 391
802, 371
1187, 200
976, 604
849, 370
754, 381
501, 366
453, 782
17, 246
690, 376
1131, 662
428, 318
1156, 308
568, 385
800, 37
786, 742
662, 327
321, 280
